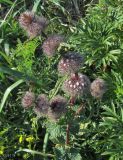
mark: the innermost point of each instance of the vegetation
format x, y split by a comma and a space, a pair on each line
78, 126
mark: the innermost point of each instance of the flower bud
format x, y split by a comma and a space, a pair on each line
32, 23
51, 44
57, 107
77, 85
28, 99
42, 105
70, 63
98, 88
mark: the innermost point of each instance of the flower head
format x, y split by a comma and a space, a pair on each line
51, 44
42, 105
98, 88
28, 99
76, 85
32, 23
57, 107
70, 63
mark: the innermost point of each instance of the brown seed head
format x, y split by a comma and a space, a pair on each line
57, 107
98, 88
32, 23
26, 19
28, 99
51, 44
42, 105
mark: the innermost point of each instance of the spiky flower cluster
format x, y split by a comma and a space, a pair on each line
76, 85
52, 109
57, 107
42, 105
70, 63
28, 99
98, 88
51, 44
32, 23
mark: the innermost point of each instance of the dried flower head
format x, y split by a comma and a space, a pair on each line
42, 105
77, 85
32, 23
28, 99
70, 63
98, 88
51, 44
57, 107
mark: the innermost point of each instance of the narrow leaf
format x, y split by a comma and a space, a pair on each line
7, 92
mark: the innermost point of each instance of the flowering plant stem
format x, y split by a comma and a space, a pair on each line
45, 143
67, 134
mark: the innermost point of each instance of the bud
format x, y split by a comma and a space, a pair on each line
28, 99
57, 107
70, 63
51, 44
32, 23
77, 85
98, 88
42, 105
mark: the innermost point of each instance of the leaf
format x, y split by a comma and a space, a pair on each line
7, 92
6, 1
17, 74
67, 153
6, 57
35, 152
74, 154
36, 4
54, 130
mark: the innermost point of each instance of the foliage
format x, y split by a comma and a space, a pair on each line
94, 30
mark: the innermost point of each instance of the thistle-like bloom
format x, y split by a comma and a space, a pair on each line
42, 105
32, 23
76, 85
98, 88
28, 99
57, 107
51, 44
70, 63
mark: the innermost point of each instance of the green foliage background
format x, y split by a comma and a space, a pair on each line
93, 28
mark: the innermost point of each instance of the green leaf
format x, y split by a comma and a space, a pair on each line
36, 5
67, 153
17, 74
35, 152
6, 1
7, 92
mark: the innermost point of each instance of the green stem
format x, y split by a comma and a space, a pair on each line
45, 143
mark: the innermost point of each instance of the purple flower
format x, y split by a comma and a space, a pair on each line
51, 44
98, 88
28, 99
76, 85
32, 23
70, 63
57, 107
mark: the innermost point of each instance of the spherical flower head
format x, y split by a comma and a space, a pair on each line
70, 63
57, 107
28, 99
42, 105
98, 88
77, 85
51, 44
32, 23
